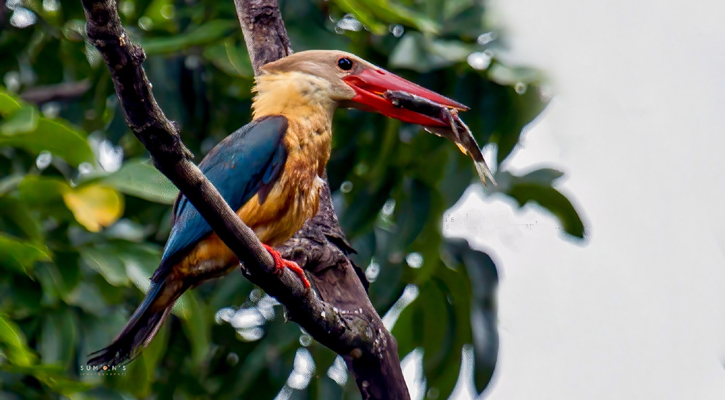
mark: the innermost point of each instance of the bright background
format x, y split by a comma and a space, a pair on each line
638, 123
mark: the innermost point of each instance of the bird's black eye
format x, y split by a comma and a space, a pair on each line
344, 63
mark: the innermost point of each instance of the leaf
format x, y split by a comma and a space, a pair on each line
230, 58
453, 7
105, 260
94, 206
439, 322
15, 211
8, 103
57, 138
377, 14
23, 120
552, 200
20, 255
141, 179
483, 276
413, 52
542, 176
39, 191
366, 205
504, 75
58, 338
197, 325
523, 108
209, 32
52, 376
414, 213
143, 370
13, 343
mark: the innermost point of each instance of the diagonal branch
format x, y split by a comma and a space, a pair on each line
338, 314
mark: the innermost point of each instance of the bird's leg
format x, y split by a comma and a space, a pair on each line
280, 263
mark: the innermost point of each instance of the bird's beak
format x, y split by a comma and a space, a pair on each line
371, 83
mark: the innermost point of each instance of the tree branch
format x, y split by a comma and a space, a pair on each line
320, 246
338, 314
61, 91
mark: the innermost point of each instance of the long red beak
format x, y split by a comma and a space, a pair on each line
370, 84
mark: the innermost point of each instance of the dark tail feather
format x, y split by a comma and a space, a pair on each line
139, 331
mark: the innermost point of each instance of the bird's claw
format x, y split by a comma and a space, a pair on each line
280, 263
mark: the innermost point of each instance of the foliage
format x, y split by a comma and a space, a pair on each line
83, 217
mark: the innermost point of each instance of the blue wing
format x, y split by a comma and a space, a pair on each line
239, 166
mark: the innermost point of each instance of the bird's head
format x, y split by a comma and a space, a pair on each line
354, 82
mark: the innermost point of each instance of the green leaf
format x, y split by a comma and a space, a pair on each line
483, 276
20, 255
39, 191
53, 376
13, 343
377, 14
453, 7
143, 370
58, 338
106, 261
8, 103
439, 322
23, 120
414, 213
16, 212
141, 179
522, 109
196, 322
542, 176
211, 31
552, 200
505, 75
413, 52
230, 58
57, 138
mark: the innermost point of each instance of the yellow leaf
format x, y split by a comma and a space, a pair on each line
94, 206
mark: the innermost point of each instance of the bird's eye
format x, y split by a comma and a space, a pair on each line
344, 63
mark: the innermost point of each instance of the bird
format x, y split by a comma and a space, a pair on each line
270, 171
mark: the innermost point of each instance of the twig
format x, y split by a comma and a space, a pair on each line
61, 91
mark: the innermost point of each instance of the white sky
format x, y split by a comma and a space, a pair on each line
638, 124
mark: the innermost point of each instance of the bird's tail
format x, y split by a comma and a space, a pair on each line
142, 327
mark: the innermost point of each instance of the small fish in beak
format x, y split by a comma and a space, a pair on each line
446, 124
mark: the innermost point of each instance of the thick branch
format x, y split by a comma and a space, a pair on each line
341, 316
264, 31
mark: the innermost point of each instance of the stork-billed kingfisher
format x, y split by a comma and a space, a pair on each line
270, 171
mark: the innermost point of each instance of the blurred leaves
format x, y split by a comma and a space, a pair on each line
207, 33
20, 255
13, 343
24, 120
141, 179
372, 13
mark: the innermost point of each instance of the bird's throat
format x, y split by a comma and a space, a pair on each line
305, 101
293, 94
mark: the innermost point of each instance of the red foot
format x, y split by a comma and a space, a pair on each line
280, 263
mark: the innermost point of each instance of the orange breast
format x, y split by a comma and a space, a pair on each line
293, 199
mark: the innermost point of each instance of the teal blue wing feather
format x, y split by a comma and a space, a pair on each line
239, 166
